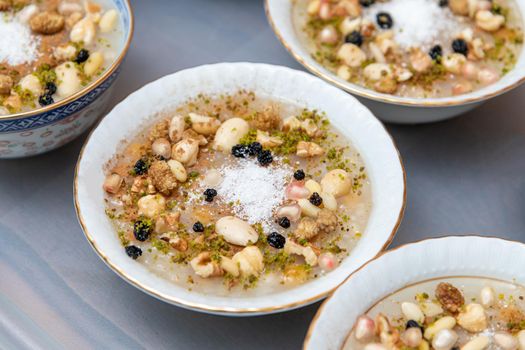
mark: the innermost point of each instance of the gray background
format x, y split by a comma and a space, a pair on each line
465, 175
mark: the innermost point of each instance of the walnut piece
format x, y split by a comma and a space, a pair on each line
386, 85
162, 177
176, 243
268, 119
6, 83
307, 228
308, 149
204, 266
160, 130
449, 297
5, 5
47, 23
192, 135
326, 221
168, 222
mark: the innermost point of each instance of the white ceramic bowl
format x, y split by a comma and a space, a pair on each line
388, 107
466, 256
137, 110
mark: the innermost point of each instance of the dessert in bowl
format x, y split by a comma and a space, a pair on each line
452, 298
57, 61
228, 191
438, 57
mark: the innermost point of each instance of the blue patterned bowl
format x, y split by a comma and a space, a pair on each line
44, 129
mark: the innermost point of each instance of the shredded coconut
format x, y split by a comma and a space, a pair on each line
418, 23
17, 44
254, 190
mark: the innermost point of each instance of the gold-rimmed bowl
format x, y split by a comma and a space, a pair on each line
347, 115
408, 265
388, 107
44, 129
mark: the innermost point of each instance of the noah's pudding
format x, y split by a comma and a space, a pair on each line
467, 313
238, 194
50, 50
413, 48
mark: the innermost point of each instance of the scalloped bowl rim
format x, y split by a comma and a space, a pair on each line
464, 256
346, 113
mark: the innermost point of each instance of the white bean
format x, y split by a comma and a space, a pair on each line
431, 309
229, 134
377, 71
176, 129
178, 170
329, 201
151, 205
349, 25
479, 342
412, 312
447, 322
94, 63
344, 72
67, 8
328, 35
336, 182
313, 7
68, 79
308, 208
351, 55
521, 339
375, 346
112, 183
236, 231
312, 186
30, 82
186, 151
108, 21
506, 341
204, 125
444, 339
487, 296
83, 31
473, 318
25, 14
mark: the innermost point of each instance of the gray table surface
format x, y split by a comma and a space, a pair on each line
465, 175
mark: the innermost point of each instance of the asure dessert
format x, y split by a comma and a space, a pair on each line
413, 48
50, 49
461, 313
237, 194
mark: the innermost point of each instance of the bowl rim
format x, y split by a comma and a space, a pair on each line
228, 311
449, 101
93, 85
317, 315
